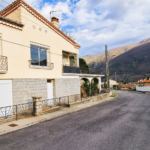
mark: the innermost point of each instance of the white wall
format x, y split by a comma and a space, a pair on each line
143, 89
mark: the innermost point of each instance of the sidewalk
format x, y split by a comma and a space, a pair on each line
5, 128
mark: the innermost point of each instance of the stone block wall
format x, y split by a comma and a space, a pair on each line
66, 87
24, 89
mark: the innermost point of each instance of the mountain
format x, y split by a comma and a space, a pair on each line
130, 62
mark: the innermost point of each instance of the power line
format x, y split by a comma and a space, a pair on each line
24, 46
87, 45
26, 18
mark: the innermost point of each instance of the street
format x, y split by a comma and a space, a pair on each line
120, 124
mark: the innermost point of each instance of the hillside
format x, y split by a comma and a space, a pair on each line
130, 62
94, 59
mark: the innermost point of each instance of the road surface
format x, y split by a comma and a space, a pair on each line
121, 124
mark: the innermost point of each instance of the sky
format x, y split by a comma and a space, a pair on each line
95, 23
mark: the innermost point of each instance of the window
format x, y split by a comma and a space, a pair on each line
38, 56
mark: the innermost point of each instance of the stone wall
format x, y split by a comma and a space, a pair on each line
25, 89
66, 87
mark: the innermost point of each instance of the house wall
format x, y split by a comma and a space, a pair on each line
24, 89
66, 87
143, 89
26, 81
112, 83
19, 56
146, 84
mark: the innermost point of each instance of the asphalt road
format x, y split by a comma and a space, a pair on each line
121, 124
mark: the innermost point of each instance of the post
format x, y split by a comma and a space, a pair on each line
37, 105
16, 112
68, 100
90, 87
115, 80
59, 101
100, 84
107, 68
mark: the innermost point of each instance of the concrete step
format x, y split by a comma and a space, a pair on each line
49, 110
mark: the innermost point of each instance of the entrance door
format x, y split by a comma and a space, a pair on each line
50, 93
6, 93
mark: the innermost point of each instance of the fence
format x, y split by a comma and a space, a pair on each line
16, 112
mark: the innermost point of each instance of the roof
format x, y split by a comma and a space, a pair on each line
147, 81
11, 21
10, 8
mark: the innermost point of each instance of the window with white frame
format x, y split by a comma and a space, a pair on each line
39, 55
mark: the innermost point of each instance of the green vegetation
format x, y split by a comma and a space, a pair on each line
113, 95
116, 87
105, 85
94, 87
72, 58
83, 66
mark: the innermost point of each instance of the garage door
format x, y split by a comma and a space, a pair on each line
5, 93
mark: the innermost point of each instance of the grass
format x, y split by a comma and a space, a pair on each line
113, 95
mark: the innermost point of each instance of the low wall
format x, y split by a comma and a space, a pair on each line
101, 96
143, 89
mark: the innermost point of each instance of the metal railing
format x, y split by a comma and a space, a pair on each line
3, 63
16, 112
41, 63
77, 70
69, 69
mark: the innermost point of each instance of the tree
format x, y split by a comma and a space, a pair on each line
83, 66
68, 33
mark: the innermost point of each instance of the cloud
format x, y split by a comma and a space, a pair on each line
98, 22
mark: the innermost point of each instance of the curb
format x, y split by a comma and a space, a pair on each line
48, 119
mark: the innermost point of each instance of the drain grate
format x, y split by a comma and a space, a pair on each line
13, 125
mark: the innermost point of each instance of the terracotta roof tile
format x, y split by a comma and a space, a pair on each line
11, 21
18, 3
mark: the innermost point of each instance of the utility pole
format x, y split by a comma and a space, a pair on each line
107, 68
115, 80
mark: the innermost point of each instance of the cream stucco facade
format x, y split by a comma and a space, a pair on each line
32, 33
19, 55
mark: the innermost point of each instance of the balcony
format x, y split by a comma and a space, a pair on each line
69, 69
3, 64
41, 64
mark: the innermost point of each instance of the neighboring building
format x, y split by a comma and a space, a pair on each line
129, 86
34, 57
112, 83
144, 82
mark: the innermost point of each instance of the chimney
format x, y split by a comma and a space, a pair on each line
55, 22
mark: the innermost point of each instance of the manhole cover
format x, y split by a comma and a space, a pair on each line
12, 125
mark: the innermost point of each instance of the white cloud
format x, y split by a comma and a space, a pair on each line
99, 22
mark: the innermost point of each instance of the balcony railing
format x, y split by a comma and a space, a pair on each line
77, 70
69, 69
3, 64
41, 64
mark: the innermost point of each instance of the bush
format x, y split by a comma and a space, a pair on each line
105, 85
116, 87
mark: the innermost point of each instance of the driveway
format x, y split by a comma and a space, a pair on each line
121, 124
